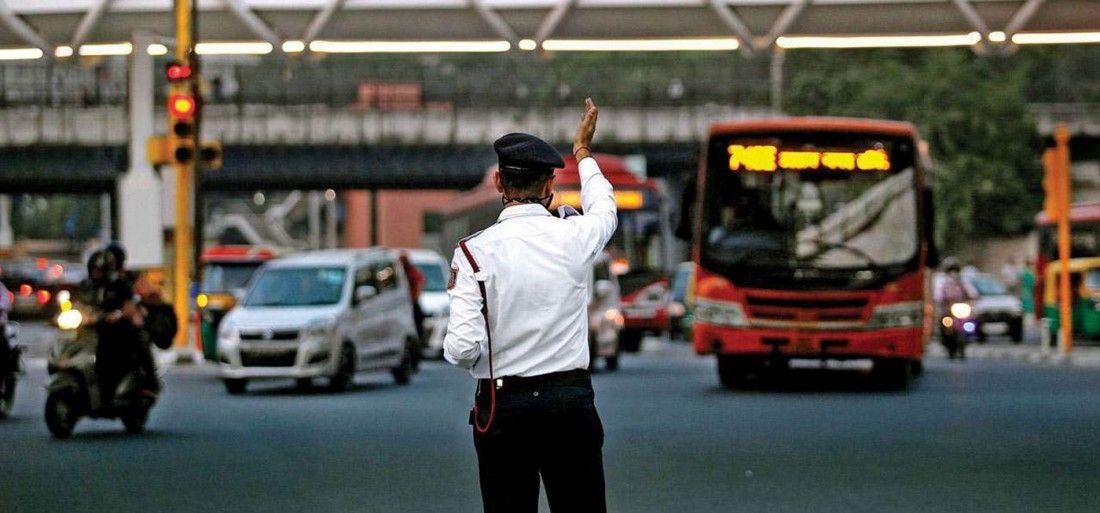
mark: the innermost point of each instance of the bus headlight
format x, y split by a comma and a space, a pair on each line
720, 313
897, 315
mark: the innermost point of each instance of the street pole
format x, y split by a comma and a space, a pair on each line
184, 176
1061, 149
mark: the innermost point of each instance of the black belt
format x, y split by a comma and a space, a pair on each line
569, 378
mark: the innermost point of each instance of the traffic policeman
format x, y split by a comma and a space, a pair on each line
519, 323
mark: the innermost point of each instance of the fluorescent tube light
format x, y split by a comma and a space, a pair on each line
20, 54
63, 51
640, 45
920, 41
157, 49
1055, 38
234, 48
321, 46
106, 49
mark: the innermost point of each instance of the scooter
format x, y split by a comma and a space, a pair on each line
11, 366
958, 327
74, 387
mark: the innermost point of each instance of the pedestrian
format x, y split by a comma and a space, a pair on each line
415, 280
1027, 291
1010, 275
519, 323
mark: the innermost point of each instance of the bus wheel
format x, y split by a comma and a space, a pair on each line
734, 371
893, 374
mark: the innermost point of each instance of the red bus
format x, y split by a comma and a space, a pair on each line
640, 249
812, 241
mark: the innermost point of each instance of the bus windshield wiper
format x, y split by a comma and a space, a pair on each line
824, 247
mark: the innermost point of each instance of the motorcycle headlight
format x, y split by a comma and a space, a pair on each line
69, 319
897, 315
319, 328
720, 313
960, 310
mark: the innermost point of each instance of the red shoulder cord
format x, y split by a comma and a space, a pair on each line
489, 341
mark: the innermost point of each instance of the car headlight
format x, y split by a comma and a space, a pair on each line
615, 317
897, 315
960, 310
320, 328
720, 313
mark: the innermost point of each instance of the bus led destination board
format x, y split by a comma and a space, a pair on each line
769, 158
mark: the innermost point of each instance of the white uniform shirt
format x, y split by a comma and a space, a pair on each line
537, 270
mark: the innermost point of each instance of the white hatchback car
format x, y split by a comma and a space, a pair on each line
325, 314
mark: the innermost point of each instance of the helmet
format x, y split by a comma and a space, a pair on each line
102, 265
951, 264
118, 252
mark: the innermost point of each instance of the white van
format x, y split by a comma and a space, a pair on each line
325, 314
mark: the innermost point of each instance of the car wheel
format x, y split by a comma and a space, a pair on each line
235, 386
1016, 330
345, 370
403, 372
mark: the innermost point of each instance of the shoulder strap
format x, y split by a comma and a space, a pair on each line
489, 342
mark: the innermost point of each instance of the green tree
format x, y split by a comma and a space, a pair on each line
972, 111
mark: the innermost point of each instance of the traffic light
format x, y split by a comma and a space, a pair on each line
211, 155
178, 72
181, 112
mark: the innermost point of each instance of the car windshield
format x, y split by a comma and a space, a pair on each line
434, 278
297, 286
987, 285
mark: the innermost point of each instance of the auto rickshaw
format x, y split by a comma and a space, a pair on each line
1084, 281
225, 275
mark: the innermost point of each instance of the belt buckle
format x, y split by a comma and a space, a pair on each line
499, 383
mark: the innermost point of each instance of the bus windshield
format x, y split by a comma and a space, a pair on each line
794, 209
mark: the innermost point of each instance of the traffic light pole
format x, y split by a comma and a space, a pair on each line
182, 236
1065, 299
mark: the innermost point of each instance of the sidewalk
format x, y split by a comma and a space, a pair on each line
1082, 356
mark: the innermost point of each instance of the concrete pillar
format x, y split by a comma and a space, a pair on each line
314, 205
139, 190
330, 227
356, 224
7, 236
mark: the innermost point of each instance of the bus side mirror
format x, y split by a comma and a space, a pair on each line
929, 224
685, 226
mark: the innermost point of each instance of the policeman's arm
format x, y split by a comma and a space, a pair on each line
600, 218
600, 213
466, 326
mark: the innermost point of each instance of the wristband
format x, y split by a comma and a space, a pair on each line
582, 148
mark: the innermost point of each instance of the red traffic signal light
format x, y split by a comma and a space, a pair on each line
177, 72
181, 106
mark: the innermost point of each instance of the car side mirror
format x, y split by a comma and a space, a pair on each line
603, 289
365, 292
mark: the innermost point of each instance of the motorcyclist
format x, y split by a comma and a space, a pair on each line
146, 297
118, 320
952, 289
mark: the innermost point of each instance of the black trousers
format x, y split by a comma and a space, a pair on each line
544, 426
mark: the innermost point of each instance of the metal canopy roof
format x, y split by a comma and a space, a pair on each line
755, 24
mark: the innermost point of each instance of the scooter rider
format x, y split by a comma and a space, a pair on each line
143, 293
5, 344
119, 320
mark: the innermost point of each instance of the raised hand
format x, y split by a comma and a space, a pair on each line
585, 131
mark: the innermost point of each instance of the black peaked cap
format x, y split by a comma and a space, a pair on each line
524, 152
